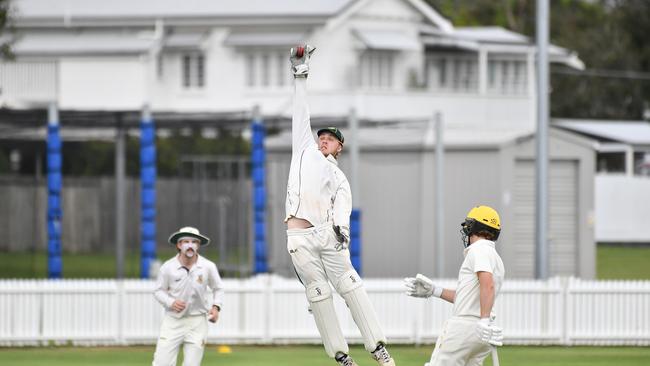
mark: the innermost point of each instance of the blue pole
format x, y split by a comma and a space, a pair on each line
258, 158
147, 192
355, 216
54, 213
355, 239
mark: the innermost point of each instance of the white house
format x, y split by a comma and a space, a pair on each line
389, 59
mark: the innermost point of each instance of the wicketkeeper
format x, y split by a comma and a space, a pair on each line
467, 337
191, 291
318, 208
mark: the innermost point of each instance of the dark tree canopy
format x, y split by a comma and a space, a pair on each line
6, 30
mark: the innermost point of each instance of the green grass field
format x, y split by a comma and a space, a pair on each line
613, 262
623, 262
315, 356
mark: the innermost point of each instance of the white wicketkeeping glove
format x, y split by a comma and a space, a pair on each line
300, 64
421, 286
342, 238
488, 332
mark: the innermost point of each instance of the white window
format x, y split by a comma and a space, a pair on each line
267, 69
452, 73
193, 65
377, 69
507, 76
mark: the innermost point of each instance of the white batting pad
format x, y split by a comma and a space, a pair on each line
322, 307
365, 317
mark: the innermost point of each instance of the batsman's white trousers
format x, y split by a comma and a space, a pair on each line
317, 262
459, 345
191, 331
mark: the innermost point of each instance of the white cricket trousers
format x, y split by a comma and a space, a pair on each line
459, 345
317, 263
314, 256
191, 331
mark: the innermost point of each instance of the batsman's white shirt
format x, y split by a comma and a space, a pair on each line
199, 287
317, 190
481, 256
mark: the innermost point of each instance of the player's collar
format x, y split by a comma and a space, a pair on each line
479, 242
332, 159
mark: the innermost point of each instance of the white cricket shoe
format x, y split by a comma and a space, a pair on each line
345, 360
382, 356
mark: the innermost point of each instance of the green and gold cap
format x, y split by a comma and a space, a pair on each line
334, 131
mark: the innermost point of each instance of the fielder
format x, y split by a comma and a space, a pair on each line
469, 335
318, 208
191, 291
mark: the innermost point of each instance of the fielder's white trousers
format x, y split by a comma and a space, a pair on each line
191, 331
314, 256
459, 345
317, 264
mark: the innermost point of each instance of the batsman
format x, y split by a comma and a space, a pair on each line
318, 207
470, 334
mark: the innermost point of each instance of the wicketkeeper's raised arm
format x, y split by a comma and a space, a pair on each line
301, 135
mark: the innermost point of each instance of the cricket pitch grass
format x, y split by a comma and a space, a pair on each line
404, 355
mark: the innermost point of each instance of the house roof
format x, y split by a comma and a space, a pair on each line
416, 135
71, 9
627, 132
498, 40
490, 34
387, 40
81, 43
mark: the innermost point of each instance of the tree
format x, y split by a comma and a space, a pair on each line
7, 35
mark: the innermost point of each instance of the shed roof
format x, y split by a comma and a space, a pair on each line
416, 136
627, 132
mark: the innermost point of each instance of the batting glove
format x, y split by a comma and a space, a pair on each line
421, 286
342, 238
299, 57
488, 332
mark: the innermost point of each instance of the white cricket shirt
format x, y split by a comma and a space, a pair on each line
200, 287
317, 190
481, 256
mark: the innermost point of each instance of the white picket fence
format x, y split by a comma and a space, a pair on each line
273, 310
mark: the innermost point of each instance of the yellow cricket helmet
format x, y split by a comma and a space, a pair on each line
481, 219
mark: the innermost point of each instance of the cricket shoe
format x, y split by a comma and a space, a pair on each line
382, 356
344, 360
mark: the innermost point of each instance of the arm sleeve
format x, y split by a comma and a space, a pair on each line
160, 293
343, 205
301, 135
216, 284
481, 260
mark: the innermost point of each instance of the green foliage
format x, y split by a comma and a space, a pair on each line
97, 158
170, 150
7, 32
405, 355
606, 34
34, 265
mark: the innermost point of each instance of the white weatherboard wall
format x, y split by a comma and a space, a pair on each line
273, 310
622, 209
102, 83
